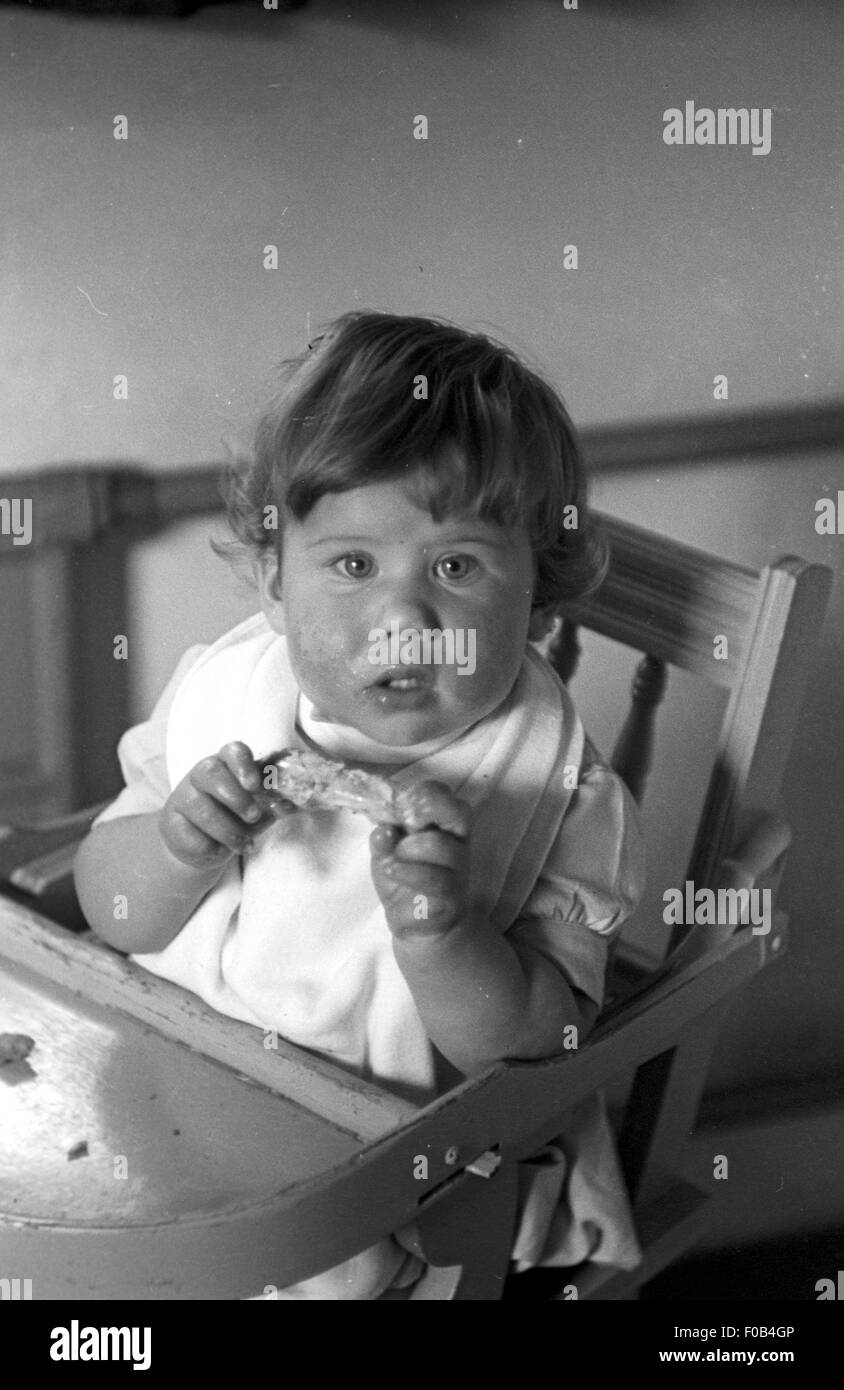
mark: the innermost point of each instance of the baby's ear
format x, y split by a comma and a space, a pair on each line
541, 622
268, 578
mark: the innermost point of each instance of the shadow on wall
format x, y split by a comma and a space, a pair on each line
472, 26
147, 9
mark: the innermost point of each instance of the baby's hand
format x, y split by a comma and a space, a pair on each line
421, 875
217, 809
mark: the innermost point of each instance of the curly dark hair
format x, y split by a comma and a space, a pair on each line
455, 415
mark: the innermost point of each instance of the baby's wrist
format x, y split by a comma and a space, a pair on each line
187, 867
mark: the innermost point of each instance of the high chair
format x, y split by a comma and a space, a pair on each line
151, 1149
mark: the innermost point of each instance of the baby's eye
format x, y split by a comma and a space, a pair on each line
456, 567
354, 566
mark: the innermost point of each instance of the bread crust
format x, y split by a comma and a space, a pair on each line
315, 783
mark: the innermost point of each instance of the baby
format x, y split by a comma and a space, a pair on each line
414, 493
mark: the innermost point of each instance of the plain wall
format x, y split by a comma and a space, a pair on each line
247, 128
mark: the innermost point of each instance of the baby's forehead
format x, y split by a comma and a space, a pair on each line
394, 507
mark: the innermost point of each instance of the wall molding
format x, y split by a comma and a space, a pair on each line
769, 430
111, 492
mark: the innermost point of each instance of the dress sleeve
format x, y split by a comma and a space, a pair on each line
590, 883
142, 754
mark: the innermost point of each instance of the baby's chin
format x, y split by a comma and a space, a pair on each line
397, 727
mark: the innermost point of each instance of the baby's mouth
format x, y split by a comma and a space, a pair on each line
403, 678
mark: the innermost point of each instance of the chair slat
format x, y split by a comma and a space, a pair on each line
633, 753
671, 601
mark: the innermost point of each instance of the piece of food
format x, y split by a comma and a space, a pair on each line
15, 1047
319, 784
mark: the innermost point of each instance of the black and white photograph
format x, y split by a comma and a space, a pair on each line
421, 667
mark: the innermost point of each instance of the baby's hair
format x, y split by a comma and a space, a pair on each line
483, 433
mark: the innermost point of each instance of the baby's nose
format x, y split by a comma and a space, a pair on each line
406, 606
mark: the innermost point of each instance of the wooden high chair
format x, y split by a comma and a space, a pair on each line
151, 1149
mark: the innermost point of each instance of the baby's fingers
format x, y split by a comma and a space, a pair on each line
383, 840
432, 847
187, 841
207, 813
434, 804
231, 778
429, 879
238, 758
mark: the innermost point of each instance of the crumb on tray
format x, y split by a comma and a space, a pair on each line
15, 1047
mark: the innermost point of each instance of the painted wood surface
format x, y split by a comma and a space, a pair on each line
107, 1123
96, 973
669, 601
347, 1201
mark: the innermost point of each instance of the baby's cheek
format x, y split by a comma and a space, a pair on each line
315, 643
499, 649
318, 655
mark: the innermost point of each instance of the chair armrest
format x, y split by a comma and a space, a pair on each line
518, 1106
765, 843
36, 861
657, 1017
756, 855
33, 857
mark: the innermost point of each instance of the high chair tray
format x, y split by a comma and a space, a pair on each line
150, 1148
133, 1166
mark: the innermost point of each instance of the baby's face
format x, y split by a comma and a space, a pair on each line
370, 562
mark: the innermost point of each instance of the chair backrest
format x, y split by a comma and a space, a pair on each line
751, 632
